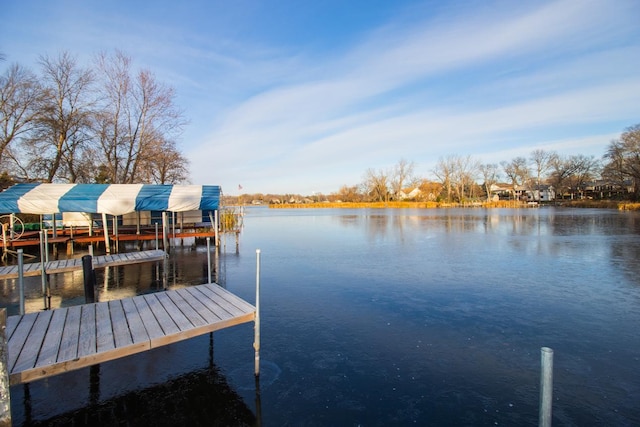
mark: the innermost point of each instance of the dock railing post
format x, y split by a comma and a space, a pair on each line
256, 342
209, 258
546, 387
5, 398
43, 271
21, 279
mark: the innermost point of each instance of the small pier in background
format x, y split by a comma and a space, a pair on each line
73, 264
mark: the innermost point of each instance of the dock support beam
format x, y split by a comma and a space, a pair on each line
5, 399
546, 387
256, 342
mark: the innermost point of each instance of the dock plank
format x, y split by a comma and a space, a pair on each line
19, 336
164, 320
149, 320
51, 344
121, 333
176, 315
87, 339
134, 320
70, 335
105, 339
31, 349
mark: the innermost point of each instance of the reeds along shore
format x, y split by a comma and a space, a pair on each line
602, 204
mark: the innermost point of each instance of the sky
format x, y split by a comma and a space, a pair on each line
303, 97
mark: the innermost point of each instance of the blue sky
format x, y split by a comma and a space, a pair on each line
297, 96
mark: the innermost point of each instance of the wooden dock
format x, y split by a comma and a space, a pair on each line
73, 264
50, 342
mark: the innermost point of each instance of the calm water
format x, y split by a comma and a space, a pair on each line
383, 317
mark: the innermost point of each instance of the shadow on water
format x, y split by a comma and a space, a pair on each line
201, 397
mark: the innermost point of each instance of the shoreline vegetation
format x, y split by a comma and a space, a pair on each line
600, 204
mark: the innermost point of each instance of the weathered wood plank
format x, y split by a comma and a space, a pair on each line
233, 299
31, 349
176, 315
52, 340
121, 333
211, 304
151, 324
70, 334
223, 302
19, 337
202, 309
105, 339
87, 338
189, 312
136, 326
166, 323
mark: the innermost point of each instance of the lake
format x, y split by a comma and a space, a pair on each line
379, 317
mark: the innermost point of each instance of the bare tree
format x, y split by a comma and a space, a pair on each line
376, 185
164, 164
63, 123
464, 174
444, 171
541, 163
517, 171
137, 118
490, 176
20, 97
585, 169
623, 157
401, 176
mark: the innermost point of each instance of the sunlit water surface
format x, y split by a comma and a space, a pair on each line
377, 318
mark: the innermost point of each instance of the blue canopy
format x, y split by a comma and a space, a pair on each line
112, 199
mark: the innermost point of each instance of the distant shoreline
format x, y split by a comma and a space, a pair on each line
600, 204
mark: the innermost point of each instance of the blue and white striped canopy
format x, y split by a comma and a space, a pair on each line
112, 199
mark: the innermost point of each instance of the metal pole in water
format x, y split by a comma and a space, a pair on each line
156, 236
21, 279
43, 272
209, 258
256, 342
546, 387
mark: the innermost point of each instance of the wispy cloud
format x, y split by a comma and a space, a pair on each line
494, 80
284, 112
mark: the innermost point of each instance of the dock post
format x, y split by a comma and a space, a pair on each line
546, 387
156, 236
21, 279
5, 398
209, 258
216, 227
43, 271
165, 232
105, 225
256, 342
89, 279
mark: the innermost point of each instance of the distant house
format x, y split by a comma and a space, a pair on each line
543, 193
409, 194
